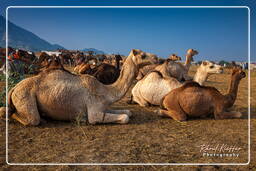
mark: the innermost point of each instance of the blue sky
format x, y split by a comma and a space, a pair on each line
216, 33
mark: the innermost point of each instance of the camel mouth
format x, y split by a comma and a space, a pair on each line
221, 70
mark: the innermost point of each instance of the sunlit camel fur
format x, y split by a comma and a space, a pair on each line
146, 69
193, 100
61, 95
155, 85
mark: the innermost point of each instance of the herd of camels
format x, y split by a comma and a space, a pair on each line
61, 95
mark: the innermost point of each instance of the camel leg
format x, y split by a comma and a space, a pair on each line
140, 101
27, 113
228, 115
127, 112
178, 116
102, 117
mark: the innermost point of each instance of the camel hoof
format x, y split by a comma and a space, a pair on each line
124, 119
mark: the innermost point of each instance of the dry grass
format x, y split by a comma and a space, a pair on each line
147, 138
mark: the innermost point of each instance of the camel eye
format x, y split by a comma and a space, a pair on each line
211, 66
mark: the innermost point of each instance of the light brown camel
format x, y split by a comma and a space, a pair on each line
193, 100
174, 57
63, 96
146, 69
175, 69
178, 70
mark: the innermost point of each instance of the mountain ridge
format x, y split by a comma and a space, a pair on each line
21, 38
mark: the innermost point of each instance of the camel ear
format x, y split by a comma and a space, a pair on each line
205, 63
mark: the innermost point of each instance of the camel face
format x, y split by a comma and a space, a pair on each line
175, 57
211, 68
191, 53
140, 57
238, 73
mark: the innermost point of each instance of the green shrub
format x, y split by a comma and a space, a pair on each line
13, 79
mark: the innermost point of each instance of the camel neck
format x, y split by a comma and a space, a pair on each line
232, 92
123, 83
200, 76
117, 64
188, 61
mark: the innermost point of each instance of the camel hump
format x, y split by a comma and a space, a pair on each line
158, 72
188, 84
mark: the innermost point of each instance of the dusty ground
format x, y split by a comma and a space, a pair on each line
146, 139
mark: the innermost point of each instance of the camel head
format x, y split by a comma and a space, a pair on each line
118, 58
174, 57
140, 58
191, 53
211, 68
238, 73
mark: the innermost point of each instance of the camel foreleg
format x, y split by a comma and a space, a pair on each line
127, 112
105, 117
178, 116
228, 115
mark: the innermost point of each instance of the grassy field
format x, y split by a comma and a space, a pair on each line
148, 138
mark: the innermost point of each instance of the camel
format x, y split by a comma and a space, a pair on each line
143, 71
174, 57
194, 100
156, 84
106, 73
176, 70
62, 96
85, 67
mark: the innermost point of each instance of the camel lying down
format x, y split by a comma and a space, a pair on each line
61, 95
195, 100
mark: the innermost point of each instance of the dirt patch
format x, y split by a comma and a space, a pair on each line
146, 139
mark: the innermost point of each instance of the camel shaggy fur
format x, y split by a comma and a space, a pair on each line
156, 84
63, 96
194, 100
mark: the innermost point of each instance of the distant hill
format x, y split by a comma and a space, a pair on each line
96, 51
23, 39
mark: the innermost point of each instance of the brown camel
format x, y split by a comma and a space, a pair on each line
193, 100
106, 73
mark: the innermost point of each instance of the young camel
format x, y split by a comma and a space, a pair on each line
154, 86
194, 100
63, 96
143, 71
